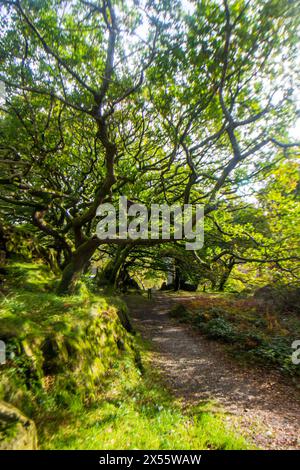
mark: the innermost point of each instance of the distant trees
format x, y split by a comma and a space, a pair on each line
104, 98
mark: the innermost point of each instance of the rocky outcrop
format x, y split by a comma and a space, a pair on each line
17, 432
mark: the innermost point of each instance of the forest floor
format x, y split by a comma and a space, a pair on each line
256, 401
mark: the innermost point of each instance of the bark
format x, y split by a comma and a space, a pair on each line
3, 250
74, 269
39, 221
111, 272
225, 277
177, 278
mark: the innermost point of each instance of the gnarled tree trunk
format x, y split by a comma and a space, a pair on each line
73, 270
109, 275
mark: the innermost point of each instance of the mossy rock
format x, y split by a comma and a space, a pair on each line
125, 320
59, 348
17, 432
75, 357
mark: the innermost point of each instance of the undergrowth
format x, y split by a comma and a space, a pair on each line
73, 368
252, 332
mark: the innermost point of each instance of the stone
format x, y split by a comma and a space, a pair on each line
17, 432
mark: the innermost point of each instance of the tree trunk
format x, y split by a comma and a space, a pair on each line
109, 276
224, 277
3, 250
177, 278
74, 269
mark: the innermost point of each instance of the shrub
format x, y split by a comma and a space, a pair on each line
219, 328
278, 352
256, 333
207, 314
180, 312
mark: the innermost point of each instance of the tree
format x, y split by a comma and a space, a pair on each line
150, 102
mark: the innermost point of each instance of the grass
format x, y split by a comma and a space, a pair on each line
137, 412
127, 406
57, 348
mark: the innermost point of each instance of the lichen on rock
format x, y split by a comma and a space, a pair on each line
17, 432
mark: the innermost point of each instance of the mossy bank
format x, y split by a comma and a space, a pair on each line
76, 370
58, 350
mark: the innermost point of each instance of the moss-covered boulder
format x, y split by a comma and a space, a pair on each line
58, 349
64, 355
17, 432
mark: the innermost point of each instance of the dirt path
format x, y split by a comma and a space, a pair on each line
197, 369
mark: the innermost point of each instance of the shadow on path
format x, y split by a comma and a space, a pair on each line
197, 369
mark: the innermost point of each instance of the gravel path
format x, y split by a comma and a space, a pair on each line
257, 401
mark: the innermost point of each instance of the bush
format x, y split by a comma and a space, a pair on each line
219, 328
207, 314
282, 297
180, 312
255, 333
277, 352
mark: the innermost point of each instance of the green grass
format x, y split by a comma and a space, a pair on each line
137, 412
127, 406
58, 348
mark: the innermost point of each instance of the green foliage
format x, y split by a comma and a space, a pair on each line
136, 412
277, 352
169, 107
247, 327
196, 109
78, 373
219, 328
64, 346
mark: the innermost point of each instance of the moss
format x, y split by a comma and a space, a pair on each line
8, 429
17, 432
134, 411
66, 344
